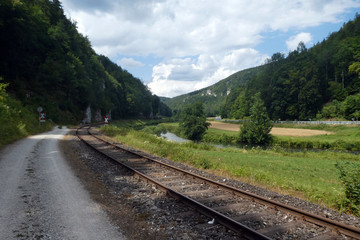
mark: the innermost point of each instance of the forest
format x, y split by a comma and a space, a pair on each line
46, 62
322, 82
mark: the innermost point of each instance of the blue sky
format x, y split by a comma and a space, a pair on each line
179, 46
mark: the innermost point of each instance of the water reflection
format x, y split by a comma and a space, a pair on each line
172, 137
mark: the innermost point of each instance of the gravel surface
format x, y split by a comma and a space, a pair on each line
40, 197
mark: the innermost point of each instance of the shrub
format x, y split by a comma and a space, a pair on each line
257, 129
17, 121
350, 176
193, 121
352, 107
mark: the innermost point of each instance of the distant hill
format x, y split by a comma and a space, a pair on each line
214, 96
318, 83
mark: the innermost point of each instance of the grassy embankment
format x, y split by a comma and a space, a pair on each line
17, 121
306, 174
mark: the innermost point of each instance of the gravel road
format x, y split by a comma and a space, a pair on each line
40, 198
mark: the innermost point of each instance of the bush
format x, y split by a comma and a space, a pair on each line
350, 176
352, 107
16, 120
193, 122
257, 129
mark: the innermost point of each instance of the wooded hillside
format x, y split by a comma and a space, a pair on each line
320, 82
213, 97
47, 62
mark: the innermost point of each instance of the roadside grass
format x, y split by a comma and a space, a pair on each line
306, 174
17, 121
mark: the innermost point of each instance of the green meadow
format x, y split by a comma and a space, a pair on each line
342, 138
310, 175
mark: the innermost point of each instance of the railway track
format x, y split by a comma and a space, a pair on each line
249, 215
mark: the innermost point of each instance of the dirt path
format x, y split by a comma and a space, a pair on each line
295, 132
41, 198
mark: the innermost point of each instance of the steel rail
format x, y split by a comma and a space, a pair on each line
220, 218
306, 216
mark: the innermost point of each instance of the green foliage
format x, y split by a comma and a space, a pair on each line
348, 109
47, 62
240, 108
350, 177
337, 91
257, 129
332, 110
298, 86
193, 122
352, 107
17, 121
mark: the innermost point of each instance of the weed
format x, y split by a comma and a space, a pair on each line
350, 177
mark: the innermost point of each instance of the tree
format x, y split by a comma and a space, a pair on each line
352, 107
257, 129
240, 108
332, 110
193, 121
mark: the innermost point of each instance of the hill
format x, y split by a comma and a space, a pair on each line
46, 62
320, 82
213, 97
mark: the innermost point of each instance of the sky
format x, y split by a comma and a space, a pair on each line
179, 46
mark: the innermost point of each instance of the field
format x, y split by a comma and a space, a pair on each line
276, 131
310, 175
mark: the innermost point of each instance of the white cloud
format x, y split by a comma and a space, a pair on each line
181, 75
172, 28
199, 41
293, 42
129, 63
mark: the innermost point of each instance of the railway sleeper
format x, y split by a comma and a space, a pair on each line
184, 187
201, 193
325, 236
161, 177
222, 197
230, 207
250, 217
279, 229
